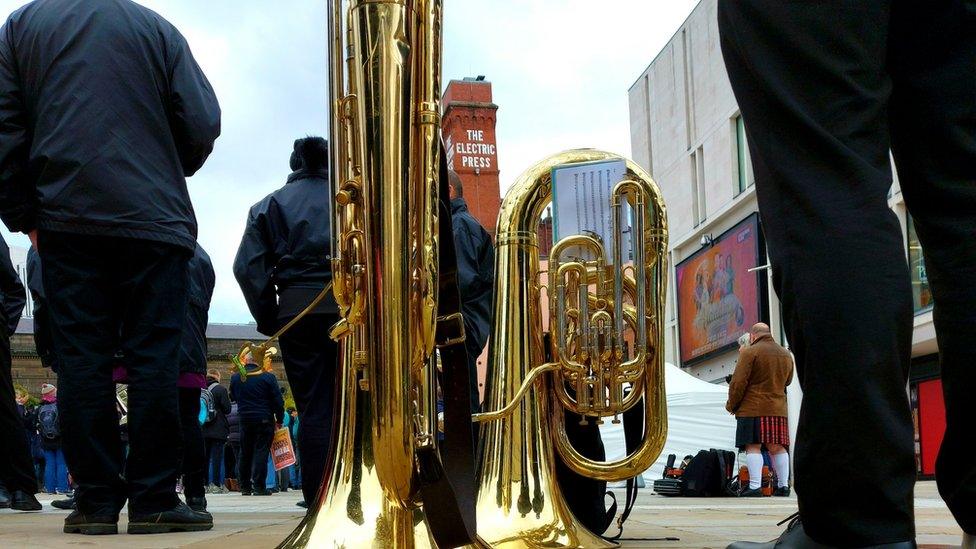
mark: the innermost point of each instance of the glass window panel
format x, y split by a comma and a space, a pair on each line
921, 293
746, 178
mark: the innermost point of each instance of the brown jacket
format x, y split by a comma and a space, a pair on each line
758, 386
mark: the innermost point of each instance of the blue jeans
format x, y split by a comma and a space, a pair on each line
55, 471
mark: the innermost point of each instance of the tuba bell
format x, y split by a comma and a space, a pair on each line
386, 166
606, 325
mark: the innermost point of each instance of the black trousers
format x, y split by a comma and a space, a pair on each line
826, 89
310, 358
255, 448
16, 463
193, 466
106, 294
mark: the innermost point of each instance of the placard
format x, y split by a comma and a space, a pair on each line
581, 201
282, 451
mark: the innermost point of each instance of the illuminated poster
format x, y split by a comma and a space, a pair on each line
718, 298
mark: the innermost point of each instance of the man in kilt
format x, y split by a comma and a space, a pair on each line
757, 397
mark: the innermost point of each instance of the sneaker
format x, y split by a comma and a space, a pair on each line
751, 493
90, 525
22, 501
782, 492
178, 519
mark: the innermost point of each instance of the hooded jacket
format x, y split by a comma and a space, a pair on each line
13, 297
104, 114
193, 348
284, 259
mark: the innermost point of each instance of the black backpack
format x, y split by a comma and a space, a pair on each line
708, 474
47, 421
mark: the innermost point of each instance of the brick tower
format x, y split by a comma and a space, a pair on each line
469, 133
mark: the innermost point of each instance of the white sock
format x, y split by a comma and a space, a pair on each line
781, 464
755, 464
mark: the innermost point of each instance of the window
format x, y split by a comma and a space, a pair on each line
698, 185
745, 177
921, 293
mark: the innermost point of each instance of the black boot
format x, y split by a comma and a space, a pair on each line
67, 503
795, 538
782, 492
90, 525
197, 504
22, 501
4, 497
178, 519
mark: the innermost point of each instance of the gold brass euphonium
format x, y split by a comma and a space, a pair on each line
385, 92
595, 309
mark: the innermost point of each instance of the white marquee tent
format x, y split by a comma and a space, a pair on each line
696, 420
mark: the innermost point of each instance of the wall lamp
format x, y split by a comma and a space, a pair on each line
706, 240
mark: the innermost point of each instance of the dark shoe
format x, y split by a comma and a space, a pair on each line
782, 492
67, 504
262, 492
22, 501
302, 504
246, 491
751, 493
90, 525
4, 497
795, 538
197, 504
178, 519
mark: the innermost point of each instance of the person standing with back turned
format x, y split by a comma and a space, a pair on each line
829, 93
282, 264
105, 113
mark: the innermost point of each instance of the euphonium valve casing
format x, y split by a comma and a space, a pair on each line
519, 501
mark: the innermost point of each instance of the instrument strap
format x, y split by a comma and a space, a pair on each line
448, 477
633, 434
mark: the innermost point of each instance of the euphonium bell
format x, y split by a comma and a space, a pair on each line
606, 322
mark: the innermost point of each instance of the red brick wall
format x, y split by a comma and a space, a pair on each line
469, 130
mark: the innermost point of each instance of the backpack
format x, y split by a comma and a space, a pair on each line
208, 406
47, 421
708, 474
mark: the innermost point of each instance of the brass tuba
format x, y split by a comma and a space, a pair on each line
385, 135
606, 322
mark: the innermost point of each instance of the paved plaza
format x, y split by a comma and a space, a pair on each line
260, 523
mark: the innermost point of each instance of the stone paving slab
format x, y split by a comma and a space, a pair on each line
657, 522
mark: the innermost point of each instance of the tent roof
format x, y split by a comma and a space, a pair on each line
677, 381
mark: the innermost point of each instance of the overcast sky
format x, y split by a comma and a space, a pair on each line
560, 70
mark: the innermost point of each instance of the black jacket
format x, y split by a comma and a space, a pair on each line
13, 297
286, 251
193, 349
104, 114
42, 322
219, 428
259, 398
476, 278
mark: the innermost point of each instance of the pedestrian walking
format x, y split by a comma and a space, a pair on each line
48, 426
757, 397
18, 484
830, 92
95, 171
282, 264
215, 432
261, 408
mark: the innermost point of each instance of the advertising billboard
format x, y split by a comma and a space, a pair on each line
718, 298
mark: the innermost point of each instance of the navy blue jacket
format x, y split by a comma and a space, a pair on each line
259, 398
193, 349
284, 259
13, 297
476, 278
104, 114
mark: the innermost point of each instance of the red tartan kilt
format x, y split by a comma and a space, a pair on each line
762, 430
